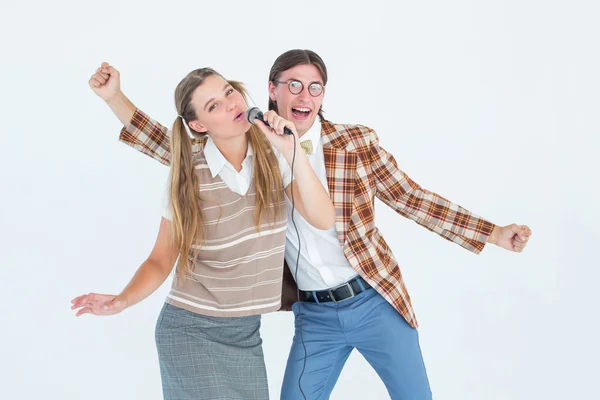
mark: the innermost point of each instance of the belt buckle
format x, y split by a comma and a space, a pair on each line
336, 288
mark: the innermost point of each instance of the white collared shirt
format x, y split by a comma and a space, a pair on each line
322, 263
238, 182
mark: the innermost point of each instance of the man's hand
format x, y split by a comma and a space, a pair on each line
106, 82
511, 237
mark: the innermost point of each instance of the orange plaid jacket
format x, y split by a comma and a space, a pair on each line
358, 170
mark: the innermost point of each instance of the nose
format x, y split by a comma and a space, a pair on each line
231, 106
304, 95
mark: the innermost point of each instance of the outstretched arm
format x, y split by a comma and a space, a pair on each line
149, 276
436, 213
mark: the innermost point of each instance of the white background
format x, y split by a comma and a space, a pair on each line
492, 104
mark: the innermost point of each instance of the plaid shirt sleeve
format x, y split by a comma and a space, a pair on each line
427, 209
150, 137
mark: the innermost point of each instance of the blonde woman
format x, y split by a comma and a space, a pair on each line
226, 225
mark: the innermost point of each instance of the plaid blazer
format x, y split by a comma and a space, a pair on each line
358, 170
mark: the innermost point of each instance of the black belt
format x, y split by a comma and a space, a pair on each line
337, 294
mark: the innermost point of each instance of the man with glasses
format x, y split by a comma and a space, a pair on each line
352, 292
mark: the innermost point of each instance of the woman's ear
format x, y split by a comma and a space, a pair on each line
198, 127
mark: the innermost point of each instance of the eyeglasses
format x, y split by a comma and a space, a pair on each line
296, 87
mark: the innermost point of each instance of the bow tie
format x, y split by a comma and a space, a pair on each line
307, 146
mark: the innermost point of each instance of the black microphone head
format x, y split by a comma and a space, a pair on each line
253, 113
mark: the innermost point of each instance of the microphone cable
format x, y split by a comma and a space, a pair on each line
296, 277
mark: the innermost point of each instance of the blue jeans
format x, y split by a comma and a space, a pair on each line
366, 322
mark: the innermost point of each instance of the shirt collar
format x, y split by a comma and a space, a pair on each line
215, 159
313, 134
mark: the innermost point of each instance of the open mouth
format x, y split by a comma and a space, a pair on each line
301, 113
239, 117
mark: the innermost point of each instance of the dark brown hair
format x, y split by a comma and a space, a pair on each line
290, 59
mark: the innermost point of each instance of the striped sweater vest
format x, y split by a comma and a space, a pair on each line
238, 271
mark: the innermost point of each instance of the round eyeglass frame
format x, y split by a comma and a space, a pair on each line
290, 82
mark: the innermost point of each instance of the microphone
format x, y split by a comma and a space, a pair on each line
255, 113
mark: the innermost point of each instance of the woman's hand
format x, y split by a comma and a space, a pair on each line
283, 142
98, 304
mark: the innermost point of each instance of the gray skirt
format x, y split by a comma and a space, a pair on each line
204, 357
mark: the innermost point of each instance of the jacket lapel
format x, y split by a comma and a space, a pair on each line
340, 165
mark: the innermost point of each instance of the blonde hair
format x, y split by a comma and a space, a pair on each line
184, 191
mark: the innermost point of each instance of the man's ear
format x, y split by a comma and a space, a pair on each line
272, 91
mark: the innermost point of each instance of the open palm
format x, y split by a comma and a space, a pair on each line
97, 304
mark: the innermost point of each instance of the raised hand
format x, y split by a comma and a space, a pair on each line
106, 82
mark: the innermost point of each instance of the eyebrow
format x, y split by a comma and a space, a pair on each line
213, 99
296, 79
